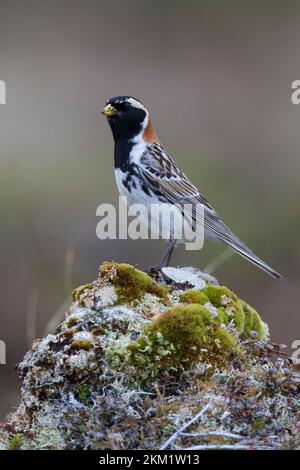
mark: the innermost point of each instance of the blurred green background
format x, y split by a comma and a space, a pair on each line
216, 77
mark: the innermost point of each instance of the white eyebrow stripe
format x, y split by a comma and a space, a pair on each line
137, 104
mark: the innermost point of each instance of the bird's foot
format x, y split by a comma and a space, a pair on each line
153, 270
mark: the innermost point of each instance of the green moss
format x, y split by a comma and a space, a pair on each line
98, 330
82, 344
69, 332
229, 306
72, 321
258, 424
191, 326
130, 283
76, 294
193, 297
179, 338
253, 322
15, 442
84, 393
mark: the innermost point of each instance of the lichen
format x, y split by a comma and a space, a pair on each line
82, 340
130, 283
128, 375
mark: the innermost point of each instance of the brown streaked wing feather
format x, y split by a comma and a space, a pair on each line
161, 172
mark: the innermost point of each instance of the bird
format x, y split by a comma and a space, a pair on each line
146, 174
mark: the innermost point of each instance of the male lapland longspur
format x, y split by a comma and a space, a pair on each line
146, 174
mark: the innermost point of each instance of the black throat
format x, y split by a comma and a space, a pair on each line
121, 153
124, 130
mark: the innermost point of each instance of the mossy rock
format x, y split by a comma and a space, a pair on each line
130, 283
129, 375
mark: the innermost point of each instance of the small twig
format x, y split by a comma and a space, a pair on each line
227, 447
47, 384
185, 426
212, 433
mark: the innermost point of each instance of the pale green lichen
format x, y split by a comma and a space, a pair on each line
128, 376
82, 340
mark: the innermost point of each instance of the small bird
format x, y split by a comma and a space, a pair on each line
146, 174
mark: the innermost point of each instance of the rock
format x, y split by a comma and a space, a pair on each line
137, 357
189, 275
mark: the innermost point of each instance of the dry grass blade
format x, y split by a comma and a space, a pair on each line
185, 426
228, 447
228, 435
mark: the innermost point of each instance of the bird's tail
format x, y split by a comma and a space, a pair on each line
238, 246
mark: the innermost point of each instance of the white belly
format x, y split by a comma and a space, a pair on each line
163, 220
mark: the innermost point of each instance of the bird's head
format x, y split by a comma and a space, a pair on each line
127, 117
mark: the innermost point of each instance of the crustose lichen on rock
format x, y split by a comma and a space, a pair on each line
137, 357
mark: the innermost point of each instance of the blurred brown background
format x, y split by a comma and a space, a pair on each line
216, 77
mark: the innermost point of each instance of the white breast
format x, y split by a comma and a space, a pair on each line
136, 195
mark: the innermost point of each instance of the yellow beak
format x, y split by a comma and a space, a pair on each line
109, 110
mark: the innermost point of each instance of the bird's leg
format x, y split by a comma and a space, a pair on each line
171, 247
165, 259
